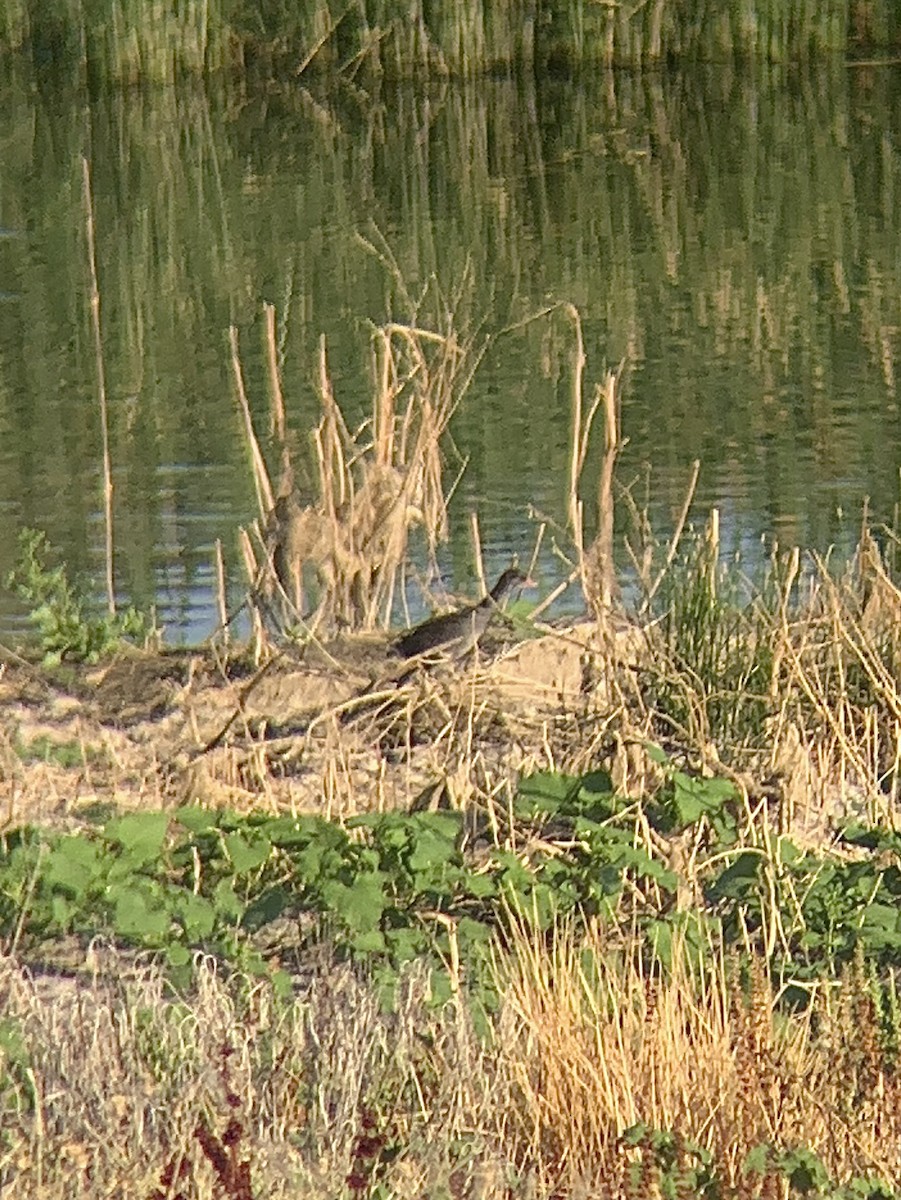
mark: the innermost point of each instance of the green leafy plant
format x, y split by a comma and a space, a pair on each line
60, 612
389, 888
806, 1175
65, 754
669, 1165
715, 646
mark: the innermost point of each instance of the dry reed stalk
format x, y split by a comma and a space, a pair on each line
371, 495
712, 535
536, 549
651, 587
598, 568
261, 479
372, 485
277, 424
545, 604
579, 430
258, 640
602, 1041
477, 558
610, 393
221, 603
596, 564
101, 390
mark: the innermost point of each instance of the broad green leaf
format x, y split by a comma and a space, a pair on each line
198, 916
440, 990
177, 955
472, 932
596, 783
360, 905
479, 886
196, 819
74, 864
445, 825
372, 941
137, 915
546, 792
246, 855
660, 934
656, 755
515, 870
881, 916
282, 985
431, 851
405, 943
140, 834
63, 910
267, 907
384, 981
308, 862
369, 820
788, 852
288, 832
738, 879
693, 797
226, 901
652, 868
757, 1160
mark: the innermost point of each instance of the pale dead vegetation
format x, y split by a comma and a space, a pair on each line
111, 1080
299, 738
346, 542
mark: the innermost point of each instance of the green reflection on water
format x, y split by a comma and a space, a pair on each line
735, 239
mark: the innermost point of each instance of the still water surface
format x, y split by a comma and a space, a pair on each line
734, 240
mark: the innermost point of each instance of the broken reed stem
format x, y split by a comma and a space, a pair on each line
220, 592
261, 480
258, 637
332, 437
477, 551
579, 437
713, 547
607, 394
549, 599
101, 391
384, 404
320, 42
276, 398
536, 550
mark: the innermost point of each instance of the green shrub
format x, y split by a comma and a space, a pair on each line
60, 612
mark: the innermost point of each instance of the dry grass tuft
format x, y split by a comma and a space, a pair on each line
598, 1040
110, 1086
372, 486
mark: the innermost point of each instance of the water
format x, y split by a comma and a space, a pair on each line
734, 240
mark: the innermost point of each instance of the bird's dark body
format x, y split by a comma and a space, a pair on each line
455, 634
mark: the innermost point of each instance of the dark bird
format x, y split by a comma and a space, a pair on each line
455, 634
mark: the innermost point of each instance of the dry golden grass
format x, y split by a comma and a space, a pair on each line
109, 1085
606, 1043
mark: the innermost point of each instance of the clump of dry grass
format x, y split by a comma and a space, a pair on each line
372, 485
605, 1040
109, 1086
793, 678
791, 675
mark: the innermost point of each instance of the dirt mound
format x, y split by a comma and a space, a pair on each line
336, 729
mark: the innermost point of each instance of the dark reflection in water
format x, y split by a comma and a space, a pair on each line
734, 241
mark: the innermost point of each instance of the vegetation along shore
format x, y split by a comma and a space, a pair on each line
601, 908
122, 41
